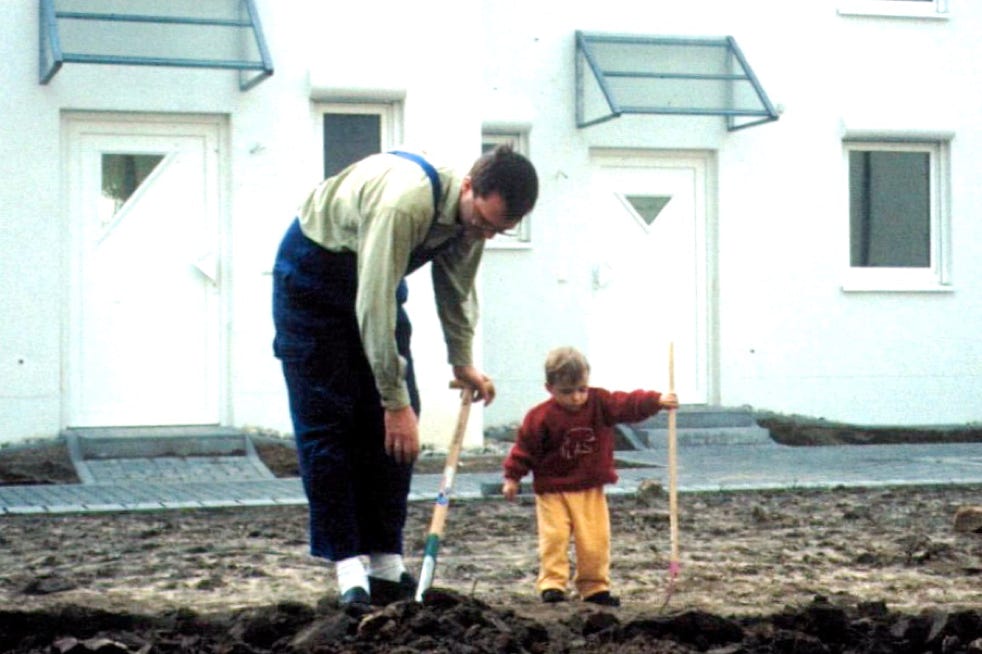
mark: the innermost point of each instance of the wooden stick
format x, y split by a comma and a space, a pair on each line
673, 477
442, 504
674, 566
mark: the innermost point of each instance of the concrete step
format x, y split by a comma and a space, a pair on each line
700, 425
658, 438
163, 454
124, 442
701, 416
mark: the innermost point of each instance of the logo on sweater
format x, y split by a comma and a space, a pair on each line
578, 442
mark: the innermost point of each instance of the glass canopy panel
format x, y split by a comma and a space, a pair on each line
619, 74
224, 34
702, 97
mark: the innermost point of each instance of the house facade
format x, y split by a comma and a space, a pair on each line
782, 193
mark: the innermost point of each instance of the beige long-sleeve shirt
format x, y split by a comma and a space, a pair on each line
381, 208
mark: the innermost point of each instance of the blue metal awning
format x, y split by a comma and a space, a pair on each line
221, 34
620, 74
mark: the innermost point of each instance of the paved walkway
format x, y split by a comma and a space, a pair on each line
701, 467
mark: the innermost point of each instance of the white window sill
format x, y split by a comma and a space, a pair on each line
895, 9
888, 280
507, 244
899, 288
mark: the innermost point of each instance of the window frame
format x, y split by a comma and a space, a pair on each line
934, 277
937, 9
521, 237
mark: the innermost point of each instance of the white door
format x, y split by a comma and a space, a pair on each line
650, 273
144, 319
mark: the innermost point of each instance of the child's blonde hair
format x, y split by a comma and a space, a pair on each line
566, 365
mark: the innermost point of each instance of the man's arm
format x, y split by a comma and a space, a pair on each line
454, 273
384, 248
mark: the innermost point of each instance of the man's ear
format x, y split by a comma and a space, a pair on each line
465, 184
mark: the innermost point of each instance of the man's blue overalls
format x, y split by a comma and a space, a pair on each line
356, 492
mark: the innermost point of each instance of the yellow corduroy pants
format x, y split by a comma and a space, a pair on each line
584, 516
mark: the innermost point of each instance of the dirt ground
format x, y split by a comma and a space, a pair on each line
838, 570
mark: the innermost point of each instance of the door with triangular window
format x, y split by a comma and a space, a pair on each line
144, 338
649, 245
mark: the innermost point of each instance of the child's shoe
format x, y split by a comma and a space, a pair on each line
603, 598
553, 595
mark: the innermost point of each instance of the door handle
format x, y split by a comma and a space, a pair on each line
602, 275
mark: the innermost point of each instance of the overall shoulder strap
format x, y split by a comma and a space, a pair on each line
430, 172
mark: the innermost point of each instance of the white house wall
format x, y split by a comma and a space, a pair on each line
789, 338
785, 336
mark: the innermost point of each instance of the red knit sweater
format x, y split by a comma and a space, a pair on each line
571, 451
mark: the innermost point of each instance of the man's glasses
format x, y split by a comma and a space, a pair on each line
483, 224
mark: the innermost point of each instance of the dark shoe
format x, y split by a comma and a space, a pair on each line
553, 595
385, 592
354, 596
603, 598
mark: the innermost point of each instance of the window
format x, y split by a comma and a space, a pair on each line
646, 207
518, 140
348, 138
122, 175
902, 8
352, 131
897, 214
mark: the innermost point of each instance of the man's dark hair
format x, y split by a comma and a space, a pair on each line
504, 171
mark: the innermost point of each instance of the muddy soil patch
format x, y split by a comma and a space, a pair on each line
872, 570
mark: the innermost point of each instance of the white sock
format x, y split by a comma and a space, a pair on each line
386, 566
351, 573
